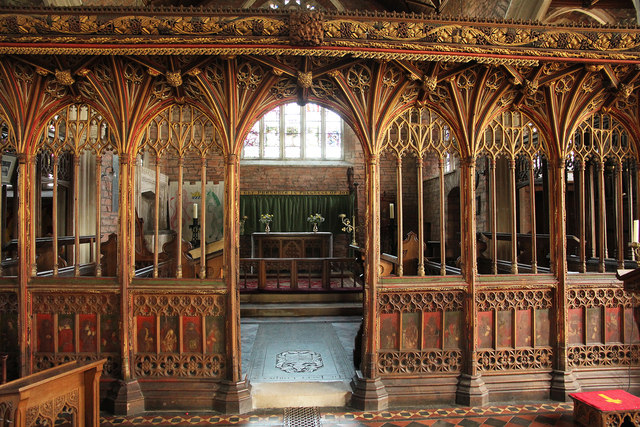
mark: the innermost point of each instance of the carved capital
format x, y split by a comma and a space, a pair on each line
306, 28
83, 72
174, 78
64, 77
41, 71
305, 79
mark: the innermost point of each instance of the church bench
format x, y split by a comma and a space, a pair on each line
605, 408
38, 399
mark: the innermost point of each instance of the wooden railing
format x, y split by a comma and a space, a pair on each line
71, 389
299, 274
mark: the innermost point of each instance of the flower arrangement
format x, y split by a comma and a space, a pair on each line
266, 218
315, 218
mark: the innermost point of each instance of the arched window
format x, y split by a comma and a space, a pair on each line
292, 132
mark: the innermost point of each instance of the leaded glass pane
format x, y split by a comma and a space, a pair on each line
252, 143
292, 131
333, 126
272, 134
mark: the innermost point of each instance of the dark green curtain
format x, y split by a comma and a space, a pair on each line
290, 212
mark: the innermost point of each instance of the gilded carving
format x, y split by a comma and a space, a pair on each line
174, 78
305, 80
180, 365
419, 362
64, 77
306, 28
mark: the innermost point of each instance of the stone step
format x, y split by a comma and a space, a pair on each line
304, 394
301, 309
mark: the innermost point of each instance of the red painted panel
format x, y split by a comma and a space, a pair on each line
432, 330
146, 334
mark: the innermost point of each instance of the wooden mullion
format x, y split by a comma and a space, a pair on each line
400, 214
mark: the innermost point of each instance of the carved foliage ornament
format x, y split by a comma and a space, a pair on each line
306, 28
578, 298
592, 356
112, 368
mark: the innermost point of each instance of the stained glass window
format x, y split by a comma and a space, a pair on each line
292, 132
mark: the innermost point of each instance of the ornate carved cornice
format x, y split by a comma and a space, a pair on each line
108, 31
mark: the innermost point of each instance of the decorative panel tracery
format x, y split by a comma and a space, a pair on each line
71, 303
595, 356
515, 359
419, 131
179, 365
514, 299
174, 305
419, 362
421, 301
600, 297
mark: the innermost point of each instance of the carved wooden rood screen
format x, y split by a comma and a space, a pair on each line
510, 151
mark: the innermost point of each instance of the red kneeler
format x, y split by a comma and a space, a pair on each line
605, 408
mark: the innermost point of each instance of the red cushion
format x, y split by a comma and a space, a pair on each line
609, 400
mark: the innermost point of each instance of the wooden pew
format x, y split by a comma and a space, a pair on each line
214, 261
39, 398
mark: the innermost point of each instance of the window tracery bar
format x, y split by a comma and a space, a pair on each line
76, 214
203, 218
512, 203
592, 209
179, 238
443, 233
400, 213
98, 183
532, 216
582, 207
630, 208
602, 210
494, 216
54, 215
156, 218
619, 214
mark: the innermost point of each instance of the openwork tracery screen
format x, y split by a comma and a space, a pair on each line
417, 146
511, 197
178, 201
601, 194
76, 148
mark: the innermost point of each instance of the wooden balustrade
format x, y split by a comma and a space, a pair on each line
71, 389
305, 274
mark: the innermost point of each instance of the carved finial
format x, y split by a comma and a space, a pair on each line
625, 90
530, 87
306, 28
594, 68
174, 78
41, 71
334, 73
429, 83
83, 72
64, 77
153, 72
304, 79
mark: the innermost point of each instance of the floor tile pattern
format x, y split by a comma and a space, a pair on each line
543, 414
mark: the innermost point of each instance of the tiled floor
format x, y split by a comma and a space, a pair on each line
540, 414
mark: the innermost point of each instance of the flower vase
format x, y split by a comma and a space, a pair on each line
315, 227
266, 228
